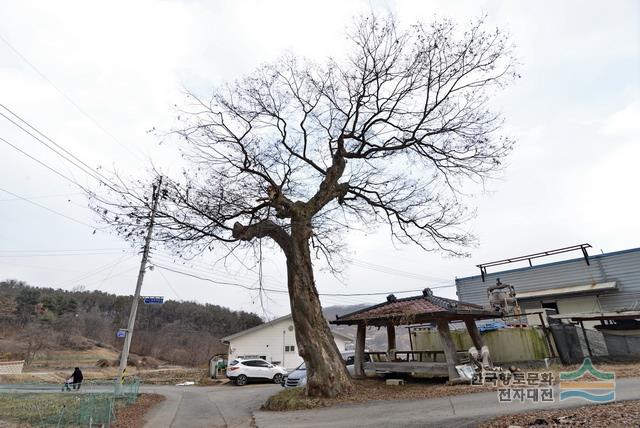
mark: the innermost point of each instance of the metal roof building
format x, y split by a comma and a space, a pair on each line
593, 283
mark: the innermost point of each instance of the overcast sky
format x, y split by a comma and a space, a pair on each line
95, 77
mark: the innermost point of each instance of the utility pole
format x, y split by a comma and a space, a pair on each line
136, 297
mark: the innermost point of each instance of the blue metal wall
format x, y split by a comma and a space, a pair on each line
621, 266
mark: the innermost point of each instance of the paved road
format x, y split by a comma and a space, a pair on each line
215, 406
234, 407
458, 411
225, 406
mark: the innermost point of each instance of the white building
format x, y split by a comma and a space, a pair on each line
274, 341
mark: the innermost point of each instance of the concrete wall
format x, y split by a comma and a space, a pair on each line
11, 367
505, 345
270, 342
623, 267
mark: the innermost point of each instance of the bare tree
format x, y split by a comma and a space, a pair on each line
36, 337
300, 153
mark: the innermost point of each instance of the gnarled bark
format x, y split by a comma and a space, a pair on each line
327, 374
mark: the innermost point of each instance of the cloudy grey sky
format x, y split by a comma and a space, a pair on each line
96, 77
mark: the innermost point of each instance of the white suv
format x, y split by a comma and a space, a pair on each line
241, 371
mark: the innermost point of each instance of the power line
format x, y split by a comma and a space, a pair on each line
60, 250
43, 164
204, 268
14, 114
169, 284
208, 271
246, 287
59, 195
68, 98
114, 275
84, 168
32, 266
12, 256
26, 131
49, 209
198, 267
367, 265
393, 271
233, 284
383, 293
113, 267
107, 266
359, 263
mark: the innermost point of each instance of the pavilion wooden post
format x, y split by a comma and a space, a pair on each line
359, 354
448, 346
391, 341
472, 328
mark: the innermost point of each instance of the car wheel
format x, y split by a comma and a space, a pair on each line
241, 380
277, 378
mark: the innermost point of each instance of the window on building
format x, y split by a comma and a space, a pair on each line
551, 305
289, 348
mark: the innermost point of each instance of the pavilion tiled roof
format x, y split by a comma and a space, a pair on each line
414, 309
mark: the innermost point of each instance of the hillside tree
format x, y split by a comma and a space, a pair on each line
299, 153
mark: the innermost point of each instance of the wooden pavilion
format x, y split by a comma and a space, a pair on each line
421, 309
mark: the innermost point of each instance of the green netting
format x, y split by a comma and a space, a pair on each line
98, 409
129, 390
93, 404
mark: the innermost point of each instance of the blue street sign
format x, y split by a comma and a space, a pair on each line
153, 300
121, 333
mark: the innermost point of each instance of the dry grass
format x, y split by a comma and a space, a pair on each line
133, 416
173, 375
49, 377
56, 366
32, 408
626, 369
375, 389
58, 360
368, 390
164, 376
621, 414
45, 409
26, 410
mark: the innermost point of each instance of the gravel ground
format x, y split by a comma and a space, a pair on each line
621, 414
621, 370
133, 416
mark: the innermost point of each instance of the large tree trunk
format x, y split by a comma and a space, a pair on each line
327, 375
